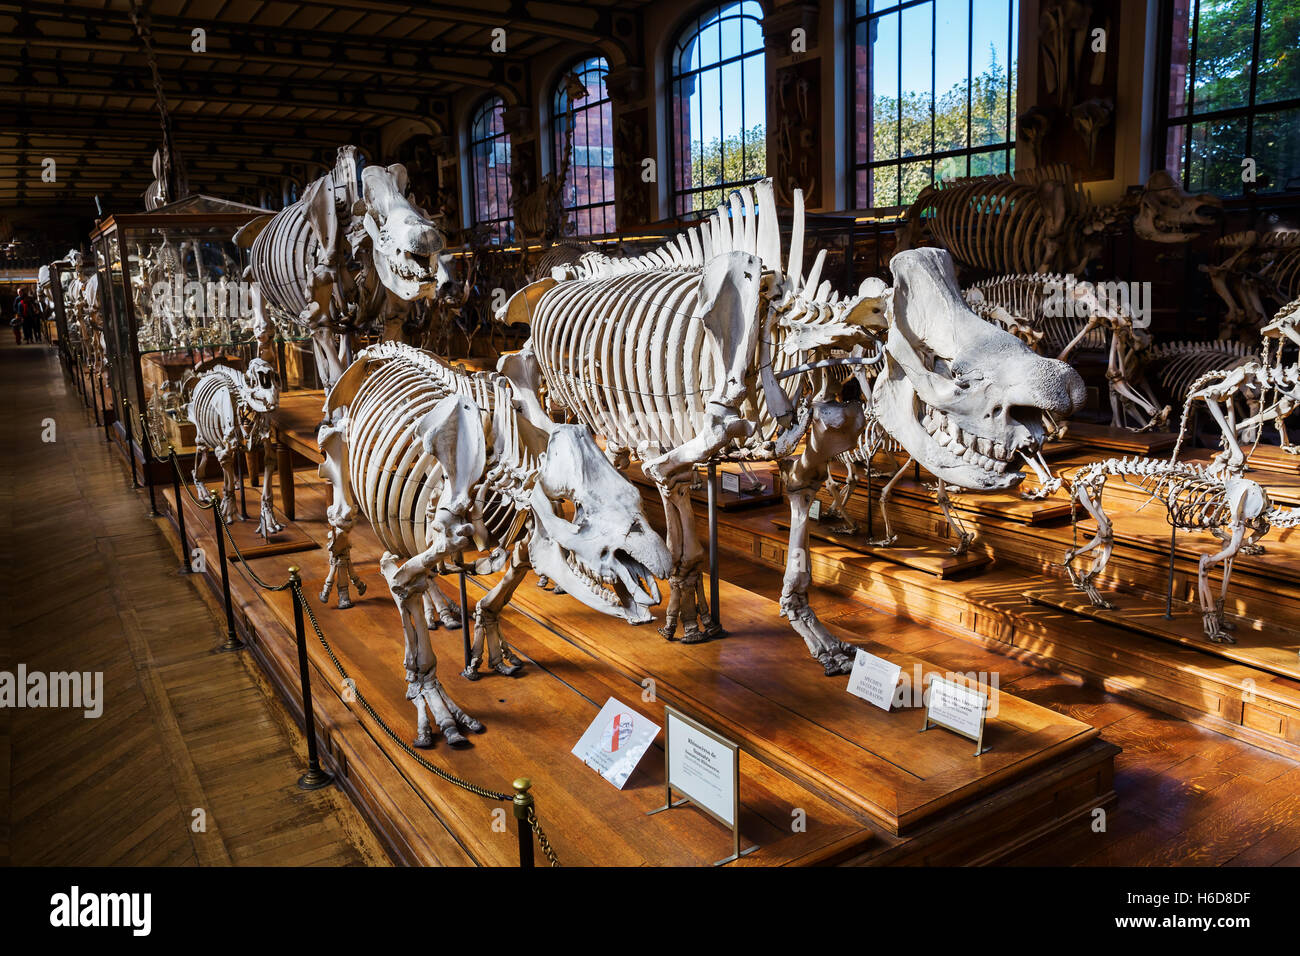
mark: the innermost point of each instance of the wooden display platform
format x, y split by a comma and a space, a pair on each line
1245, 700
860, 774
914, 552
294, 423
251, 545
1109, 441
1260, 644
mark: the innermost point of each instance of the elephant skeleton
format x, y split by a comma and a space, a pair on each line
677, 357
231, 411
1235, 509
444, 463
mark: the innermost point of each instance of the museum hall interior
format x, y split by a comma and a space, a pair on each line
758, 433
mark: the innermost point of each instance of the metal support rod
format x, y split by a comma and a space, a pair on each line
714, 608
180, 510
233, 643
99, 387
315, 777
240, 477
1169, 594
464, 616
523, 804
870, 505
94, 400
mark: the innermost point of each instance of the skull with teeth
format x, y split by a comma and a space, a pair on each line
606, 555
968, 400
405, 243
261, 391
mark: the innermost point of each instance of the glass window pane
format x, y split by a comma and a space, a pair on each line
917, 95
913, 177
1180, 52
1225, 35
884, 84
1278, 68
884, 186
951, 73
1277, 150
1217, 150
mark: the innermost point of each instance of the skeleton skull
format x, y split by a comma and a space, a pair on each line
405, 242
963, 397
606, 555
1165, 211
261, 392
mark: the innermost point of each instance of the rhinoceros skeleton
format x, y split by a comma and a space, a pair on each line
231, 411
443, 462
677, 357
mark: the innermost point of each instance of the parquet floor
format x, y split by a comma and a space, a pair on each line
193, 761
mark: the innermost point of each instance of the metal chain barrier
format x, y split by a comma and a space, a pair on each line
525, 808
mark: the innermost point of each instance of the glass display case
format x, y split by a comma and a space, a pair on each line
173, 296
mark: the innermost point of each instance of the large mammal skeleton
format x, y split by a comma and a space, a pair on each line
1234, 509
1042, 220
231, 411
443, 462
300, 257
677, 357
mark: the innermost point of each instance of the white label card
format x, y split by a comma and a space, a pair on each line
703, 768
815, 510
616, 741
956, 706
731, 482
874, 679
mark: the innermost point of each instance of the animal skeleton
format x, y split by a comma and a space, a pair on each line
300, 259
1055, 314
1234, 509
231, 411
1254, 266
1272, 391
677, 357
441, 463
1041, 220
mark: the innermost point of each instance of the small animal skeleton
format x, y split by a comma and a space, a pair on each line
231, 411
1234, 509
1270, 387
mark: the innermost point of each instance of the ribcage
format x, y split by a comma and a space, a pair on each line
213, 407
282, 258
393, 478
627, 356
1178, 364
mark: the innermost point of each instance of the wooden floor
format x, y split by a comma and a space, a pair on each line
193, 760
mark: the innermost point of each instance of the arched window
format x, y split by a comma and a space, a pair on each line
489, 160
588, 196
718, 108
1233, 93
935, 94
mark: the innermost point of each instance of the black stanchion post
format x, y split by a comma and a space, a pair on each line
523, 806
233, 643
1169, 594
94, 400
464, 616
714, 605
180, 509
870, 505
315, 777
130, 443
240, 477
